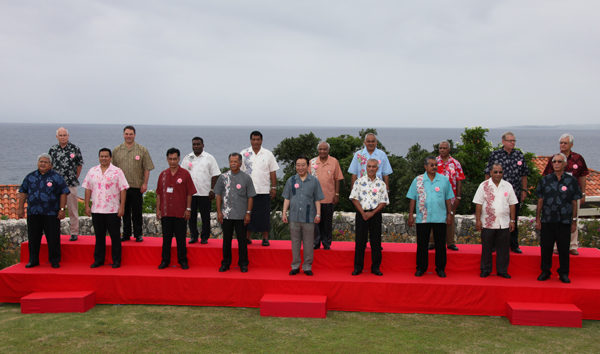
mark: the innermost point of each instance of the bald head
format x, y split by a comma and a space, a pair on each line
63, 136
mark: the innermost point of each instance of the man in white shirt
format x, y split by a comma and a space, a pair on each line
261, 165
204, 170
495, 213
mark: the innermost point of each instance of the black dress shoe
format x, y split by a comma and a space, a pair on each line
203, 242
316, 247
431, 247
193, 240
294, 271
125, 238
248, 241
544, 276
419, 273
96, 265
31, 265
244, 269
265, 242
565, 279
377, 272
308, 272
504, 275
73, 238
116, 265
163, 265
185, 266
223, 269
326, 247
516, 250
484, 274
139, 239
441, 274
453, 248
356, 272
55, 265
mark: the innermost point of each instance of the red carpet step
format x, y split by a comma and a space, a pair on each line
281, 305
58, 302
543, 314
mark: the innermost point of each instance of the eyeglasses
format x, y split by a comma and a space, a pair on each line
557, 161
498, 172
511, 141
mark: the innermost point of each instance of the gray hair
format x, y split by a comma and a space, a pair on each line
366, 135
560, 154
507, 134
497, 164
430, 157
324, 142
447, 142
235, 154
566, 135
371, 159
60, 129
46, 156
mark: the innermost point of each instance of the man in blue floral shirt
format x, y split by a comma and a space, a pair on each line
67, 162
558, 193
515, 172
46, 194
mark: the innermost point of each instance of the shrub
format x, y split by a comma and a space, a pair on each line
9, 252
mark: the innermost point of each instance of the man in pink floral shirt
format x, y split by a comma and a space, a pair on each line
449, 167
107, 186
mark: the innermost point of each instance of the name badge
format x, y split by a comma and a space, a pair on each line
169, 189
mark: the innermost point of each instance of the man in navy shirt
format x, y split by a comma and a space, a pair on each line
46, 194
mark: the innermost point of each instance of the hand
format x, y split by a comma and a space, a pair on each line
284, 218
247, 219
187, 215
367, 215
157, 214
273, 193
523, 195
220, 218
88, 211
20, 213
449, 219
121, 211
336, 199
61, 214
211, 196
582, 200
317, 219
479, 225
573, 226
456, 204
144, 188
511, 226
411, 220
538, 224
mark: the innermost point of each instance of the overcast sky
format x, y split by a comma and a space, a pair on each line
330, 63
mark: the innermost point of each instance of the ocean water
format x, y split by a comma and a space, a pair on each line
22, 143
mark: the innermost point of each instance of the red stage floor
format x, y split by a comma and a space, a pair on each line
463, 292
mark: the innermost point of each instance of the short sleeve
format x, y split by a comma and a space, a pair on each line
448, 188
386, 168
338, 175
148, 165
86, 184
273, 166
318, 195
214, 167
287, 189
412, 191
354, 169
219, 189
250, 191
478, 198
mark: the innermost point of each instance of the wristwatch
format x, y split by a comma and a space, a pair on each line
248, 212
512, 221
451, 213
188, 209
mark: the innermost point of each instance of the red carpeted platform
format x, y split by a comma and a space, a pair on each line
543, 314
58, 302
138, 281
283, 305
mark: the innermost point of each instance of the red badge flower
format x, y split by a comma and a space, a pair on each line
239, 186
49, 184
179, 180
564, 188
437, 189
72, 155
297, 185
137, 158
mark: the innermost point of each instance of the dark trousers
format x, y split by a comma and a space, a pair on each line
514, 236
366, 229
202, 205
174, 227
38, 225
323, 230
561, 234
240, 233
112, 224
133, 212
439, 237
500, 240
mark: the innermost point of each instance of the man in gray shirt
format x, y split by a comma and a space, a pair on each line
235, 192
303, 195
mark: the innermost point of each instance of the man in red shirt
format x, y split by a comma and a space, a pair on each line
174, 192
577, 168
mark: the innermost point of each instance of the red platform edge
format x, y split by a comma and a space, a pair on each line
285, 305
58, 302
543, 314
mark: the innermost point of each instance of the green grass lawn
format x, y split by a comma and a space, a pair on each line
183, 329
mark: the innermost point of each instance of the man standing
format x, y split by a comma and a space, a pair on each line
577, 168
369, 196
495, 203
235, 193
106, 186
327, 170
558, 193
515, 172
432, 193
135, 162
46, 194
451, 168
358, 166
174, 191
205, 171
303, 197
261, 165
67, 162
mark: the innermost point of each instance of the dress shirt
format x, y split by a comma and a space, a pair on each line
495, 202
576, 166
106, 188
235, 189
451, 169
369, 193
431, 197
259, 166
513, 165
133, 162
327, 173
174, 204
202, 168
558, 198
43, 192
65, 162
358, 166
302, 196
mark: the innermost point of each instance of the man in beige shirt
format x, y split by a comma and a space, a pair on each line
136, 164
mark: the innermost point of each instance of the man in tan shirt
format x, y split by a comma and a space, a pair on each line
136, 164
